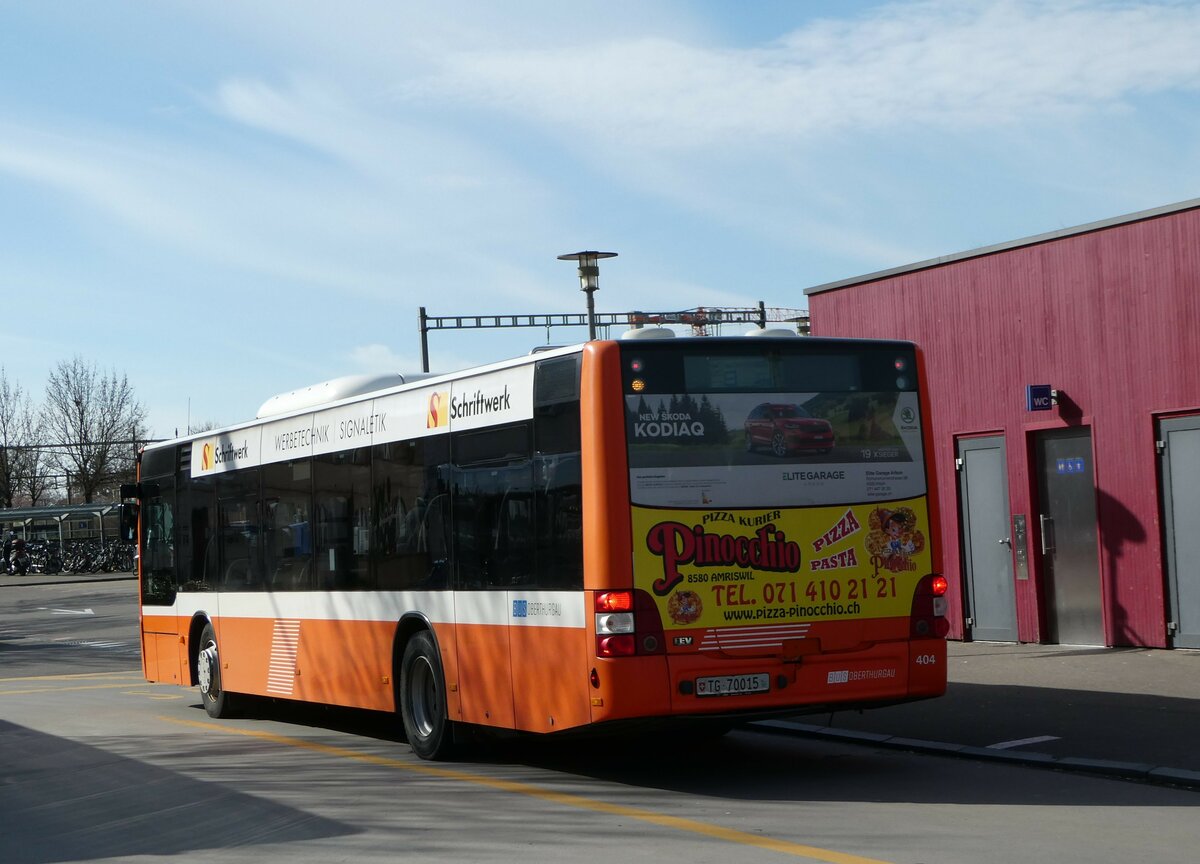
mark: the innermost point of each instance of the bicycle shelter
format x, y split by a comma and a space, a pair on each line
29, 518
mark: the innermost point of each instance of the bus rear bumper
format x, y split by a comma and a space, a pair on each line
751, 687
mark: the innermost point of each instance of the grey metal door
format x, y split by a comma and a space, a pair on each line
1070, 557
987, 543
1181, 525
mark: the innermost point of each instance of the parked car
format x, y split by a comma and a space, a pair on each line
787, 429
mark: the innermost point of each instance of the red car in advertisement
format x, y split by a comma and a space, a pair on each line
785, 429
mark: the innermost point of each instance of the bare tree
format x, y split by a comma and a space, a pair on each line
97, 420
22, 466
34, 479
12, 399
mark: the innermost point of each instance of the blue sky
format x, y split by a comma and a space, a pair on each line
229, 200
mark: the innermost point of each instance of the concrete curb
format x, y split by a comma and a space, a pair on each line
1135, 771
64, 579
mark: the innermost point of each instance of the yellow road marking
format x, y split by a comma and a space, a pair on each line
4, 692
784, 847
161, 697
130, 675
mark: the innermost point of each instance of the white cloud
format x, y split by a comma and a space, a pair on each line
945, 64
376, 358
714, 130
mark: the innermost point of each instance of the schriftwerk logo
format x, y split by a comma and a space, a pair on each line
438, 416
480, 403
223, 454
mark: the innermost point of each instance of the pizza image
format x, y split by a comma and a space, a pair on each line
684, 607
894, 537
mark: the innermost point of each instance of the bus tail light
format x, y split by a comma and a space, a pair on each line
622, 645
614, 601
627, 624
929, 607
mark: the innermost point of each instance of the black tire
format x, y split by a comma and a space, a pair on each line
429, 730
218, 703
779, 444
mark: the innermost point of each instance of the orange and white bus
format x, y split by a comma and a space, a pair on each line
691, 530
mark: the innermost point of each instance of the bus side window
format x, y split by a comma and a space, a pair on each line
287, 525
492, 506
408, 546
558, 496
510, 545
240, 556
342, 494
436, 539
196, 558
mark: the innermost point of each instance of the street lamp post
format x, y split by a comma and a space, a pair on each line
589, 281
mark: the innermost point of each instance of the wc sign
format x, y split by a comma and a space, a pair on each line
1038, 397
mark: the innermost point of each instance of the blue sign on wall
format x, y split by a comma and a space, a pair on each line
1076, 465
1038, 397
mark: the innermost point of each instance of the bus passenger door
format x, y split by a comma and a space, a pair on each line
481, 607
484, 668
160, 638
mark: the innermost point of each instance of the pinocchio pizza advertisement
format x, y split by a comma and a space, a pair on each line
737, 567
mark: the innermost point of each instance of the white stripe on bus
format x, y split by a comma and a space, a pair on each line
500, 608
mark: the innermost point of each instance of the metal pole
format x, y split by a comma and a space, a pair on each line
591, 313
424, 341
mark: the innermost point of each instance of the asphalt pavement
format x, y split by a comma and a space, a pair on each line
1132, 713
63, 578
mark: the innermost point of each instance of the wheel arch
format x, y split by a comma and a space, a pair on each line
408, 626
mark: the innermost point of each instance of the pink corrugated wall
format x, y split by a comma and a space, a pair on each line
1110, 317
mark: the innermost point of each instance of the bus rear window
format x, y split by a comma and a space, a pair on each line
786, 369
742, 423
759, 373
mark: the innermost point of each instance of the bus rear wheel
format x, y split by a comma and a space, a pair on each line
429, 730
218, 703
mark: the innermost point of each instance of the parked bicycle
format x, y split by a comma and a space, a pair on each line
45, 557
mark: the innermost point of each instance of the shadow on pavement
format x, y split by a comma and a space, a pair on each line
1079, 723
65, 801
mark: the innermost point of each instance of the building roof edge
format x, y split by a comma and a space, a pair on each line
1142, 215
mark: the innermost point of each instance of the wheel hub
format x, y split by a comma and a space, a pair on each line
204, 668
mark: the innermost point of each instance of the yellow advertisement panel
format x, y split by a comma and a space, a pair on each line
741, 567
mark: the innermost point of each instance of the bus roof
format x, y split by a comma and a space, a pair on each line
360, 388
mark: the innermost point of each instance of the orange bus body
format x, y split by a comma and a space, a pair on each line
538, 669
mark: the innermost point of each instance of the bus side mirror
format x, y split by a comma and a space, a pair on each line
127, 523
139, 490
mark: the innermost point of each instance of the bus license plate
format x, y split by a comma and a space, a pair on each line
732, 685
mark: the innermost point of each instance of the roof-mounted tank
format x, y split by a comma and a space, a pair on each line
649, 333
771, 332
332, 391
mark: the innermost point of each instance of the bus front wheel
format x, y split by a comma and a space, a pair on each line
429, 731
217, 702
